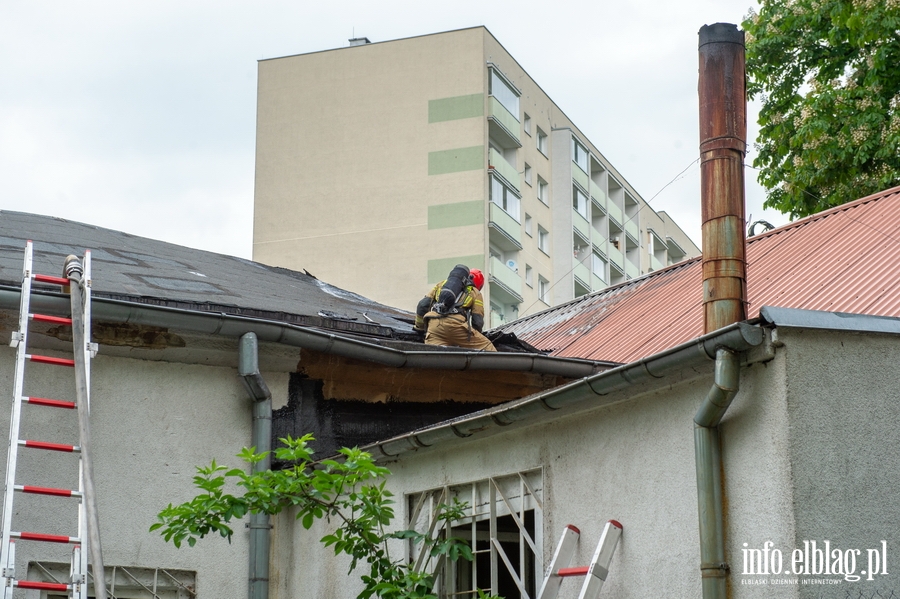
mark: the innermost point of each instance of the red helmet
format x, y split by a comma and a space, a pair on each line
477, 278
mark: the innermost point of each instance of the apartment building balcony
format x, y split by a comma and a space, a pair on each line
597, 194
582, 273
631, 270
503, 229
597, 283
631, 228
581, 225
615, 213
598, 240
498, 164
655, 264
580, 177
506, 284
503, 125
616, 257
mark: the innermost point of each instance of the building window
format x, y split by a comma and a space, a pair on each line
543, 290
529, 276
505, 93
579, 155
528, 173
598, 266
503, 525
541, 141
528, 224
542, 190
543, 240
579, 201
505, 197
527, 123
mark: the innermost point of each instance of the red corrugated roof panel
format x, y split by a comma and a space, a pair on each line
840, 260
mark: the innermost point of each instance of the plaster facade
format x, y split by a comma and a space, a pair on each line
152, 423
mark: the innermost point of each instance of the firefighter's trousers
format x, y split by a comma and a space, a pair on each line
454, 330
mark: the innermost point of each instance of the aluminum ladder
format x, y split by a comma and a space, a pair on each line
78, 281
594, 575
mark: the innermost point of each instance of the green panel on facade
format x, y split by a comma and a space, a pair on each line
440, 268
455, 161
458, 214
457, 107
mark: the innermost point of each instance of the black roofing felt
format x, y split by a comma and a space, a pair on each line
144, 270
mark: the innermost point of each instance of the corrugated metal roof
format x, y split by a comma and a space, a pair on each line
840, 260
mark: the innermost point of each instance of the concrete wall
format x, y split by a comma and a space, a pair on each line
152, 422
809, 454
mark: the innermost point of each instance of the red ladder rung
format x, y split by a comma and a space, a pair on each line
47, 491
50, 360
50, 403
51, 319
580, 571
50, 279
45, 538
43, 586
49, 446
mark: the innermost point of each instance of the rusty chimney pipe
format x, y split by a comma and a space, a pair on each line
723, 135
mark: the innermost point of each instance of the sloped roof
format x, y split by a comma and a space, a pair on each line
841, 260
164, 274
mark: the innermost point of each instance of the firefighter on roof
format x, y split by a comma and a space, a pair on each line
453, 312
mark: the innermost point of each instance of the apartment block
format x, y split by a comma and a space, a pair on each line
382, 165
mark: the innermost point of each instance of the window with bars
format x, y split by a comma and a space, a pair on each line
123, 582
503, 527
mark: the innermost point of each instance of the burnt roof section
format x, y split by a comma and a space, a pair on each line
839, 260
137, 269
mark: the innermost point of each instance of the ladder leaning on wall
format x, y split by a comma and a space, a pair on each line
78, 282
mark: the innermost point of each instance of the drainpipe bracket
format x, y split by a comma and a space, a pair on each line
714, 570
258, 526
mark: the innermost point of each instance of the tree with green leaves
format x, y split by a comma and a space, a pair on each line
349, 492
828, 76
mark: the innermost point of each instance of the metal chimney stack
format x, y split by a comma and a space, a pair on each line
723, 135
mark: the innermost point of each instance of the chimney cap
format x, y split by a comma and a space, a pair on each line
727, 33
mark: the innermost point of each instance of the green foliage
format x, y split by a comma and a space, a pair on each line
351, 492
827, 74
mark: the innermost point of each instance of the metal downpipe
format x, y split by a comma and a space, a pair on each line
708, 459
261, 438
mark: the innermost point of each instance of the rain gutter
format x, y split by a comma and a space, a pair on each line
738, 337
229, 325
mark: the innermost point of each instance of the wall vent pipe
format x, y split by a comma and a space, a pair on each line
723, 135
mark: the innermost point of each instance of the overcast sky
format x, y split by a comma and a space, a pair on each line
140, 116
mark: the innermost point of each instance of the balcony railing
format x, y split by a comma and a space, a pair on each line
615, 256
631, 227
631, 270
504, 169
506, 276
581, 224
655, 264
581, 272
598, 194
580, 176
505, 223
614, 211
598, 239
505, 118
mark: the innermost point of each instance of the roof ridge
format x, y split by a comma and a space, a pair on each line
828, 212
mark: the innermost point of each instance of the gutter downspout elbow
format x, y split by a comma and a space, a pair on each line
261, 438
708, 459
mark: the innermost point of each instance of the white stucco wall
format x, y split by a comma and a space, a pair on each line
152, 422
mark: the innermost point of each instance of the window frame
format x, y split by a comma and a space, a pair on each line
510, 202
543, 240
504, 99
541, 142
542, 191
